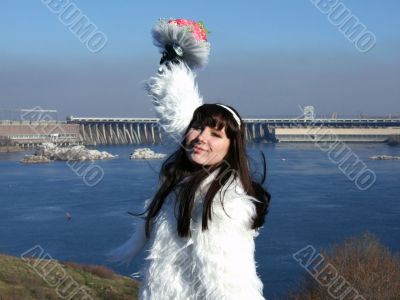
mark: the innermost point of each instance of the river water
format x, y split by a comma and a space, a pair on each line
313, 203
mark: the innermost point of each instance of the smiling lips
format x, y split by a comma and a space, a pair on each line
197, 149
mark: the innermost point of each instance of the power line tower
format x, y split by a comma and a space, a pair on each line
309, 113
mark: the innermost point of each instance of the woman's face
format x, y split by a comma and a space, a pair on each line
206, 145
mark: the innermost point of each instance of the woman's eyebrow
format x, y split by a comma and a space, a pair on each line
219, 131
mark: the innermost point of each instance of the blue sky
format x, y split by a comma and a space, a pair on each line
267, 57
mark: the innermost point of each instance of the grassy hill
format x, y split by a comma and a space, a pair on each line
33, 279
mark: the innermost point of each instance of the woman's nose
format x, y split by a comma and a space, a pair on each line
202, 137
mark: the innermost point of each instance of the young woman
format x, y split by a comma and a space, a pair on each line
201, 224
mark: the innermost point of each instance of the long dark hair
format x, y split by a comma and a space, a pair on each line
177, 168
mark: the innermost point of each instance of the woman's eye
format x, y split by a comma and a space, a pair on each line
216, 134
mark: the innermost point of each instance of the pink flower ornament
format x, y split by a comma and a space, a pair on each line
197, 28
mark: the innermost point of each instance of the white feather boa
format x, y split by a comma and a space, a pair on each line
175, 96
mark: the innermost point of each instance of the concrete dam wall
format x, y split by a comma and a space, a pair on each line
111, 131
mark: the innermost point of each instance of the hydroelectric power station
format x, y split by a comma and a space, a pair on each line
35, 126
97, 131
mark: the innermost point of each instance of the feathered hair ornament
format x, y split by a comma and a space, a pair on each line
174, 92
182, 39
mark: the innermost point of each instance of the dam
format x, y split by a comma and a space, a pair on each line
103, 131
109, 131
114, 131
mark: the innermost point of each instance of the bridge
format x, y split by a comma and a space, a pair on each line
147, 130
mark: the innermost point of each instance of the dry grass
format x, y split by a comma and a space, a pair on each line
20, 281
365, 264
97, 270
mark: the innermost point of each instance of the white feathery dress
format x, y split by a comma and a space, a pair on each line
215, 264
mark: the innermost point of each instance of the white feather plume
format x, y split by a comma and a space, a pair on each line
132, 247
175, 96
195, 52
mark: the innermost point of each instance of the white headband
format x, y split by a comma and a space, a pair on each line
235, 116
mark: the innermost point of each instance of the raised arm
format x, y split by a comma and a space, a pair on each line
173, 91
175, 96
